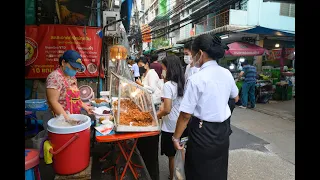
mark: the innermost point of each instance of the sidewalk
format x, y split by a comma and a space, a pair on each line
280, 109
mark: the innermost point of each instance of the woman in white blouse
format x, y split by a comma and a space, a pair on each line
149, 146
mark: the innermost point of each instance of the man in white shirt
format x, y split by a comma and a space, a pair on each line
135, 70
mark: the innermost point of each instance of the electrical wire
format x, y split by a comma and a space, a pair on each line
208, 12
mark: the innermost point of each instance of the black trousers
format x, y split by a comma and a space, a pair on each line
232, 104
207, 150
148, 148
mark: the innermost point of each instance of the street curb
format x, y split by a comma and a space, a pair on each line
275, 114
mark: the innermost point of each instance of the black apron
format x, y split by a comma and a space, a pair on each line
207, 150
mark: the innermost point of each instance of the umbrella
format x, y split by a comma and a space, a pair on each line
245, 49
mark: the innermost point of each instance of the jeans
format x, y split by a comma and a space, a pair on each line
248, 89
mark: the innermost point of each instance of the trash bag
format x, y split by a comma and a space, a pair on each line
179, 158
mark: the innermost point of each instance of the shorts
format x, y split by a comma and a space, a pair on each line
167, 147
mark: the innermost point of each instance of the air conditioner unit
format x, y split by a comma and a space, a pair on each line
114, 29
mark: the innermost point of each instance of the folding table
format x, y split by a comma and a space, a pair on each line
120, 139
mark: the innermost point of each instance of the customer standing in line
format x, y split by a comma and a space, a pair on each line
206, 98
172, 95
156, 65
190, 69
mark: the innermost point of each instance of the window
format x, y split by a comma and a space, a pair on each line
287, 9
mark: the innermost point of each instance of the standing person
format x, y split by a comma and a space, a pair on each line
249, 73
141, 63
149, 146
172, 94
61, 86
190, 69
135, 70
206, 98
156, 65
151, 81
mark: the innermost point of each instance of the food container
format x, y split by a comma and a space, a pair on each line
135, 111
99, 102
35, 103
71, 145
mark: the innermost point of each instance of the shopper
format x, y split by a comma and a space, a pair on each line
172, 95
190, 69
206, 97
156, 65
135, 70
249, 73
151, 81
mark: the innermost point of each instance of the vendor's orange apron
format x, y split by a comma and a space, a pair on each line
73, 100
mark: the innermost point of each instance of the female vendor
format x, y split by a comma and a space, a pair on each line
62, 92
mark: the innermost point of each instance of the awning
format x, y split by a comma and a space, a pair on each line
267, 31
244, 49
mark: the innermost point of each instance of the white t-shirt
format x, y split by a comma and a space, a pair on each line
190, 71
170, 91
151, 80
135, 69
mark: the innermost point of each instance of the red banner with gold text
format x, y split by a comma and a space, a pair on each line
44, 45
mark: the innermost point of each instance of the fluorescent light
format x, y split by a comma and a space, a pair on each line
231, 66
224, 36
277, 45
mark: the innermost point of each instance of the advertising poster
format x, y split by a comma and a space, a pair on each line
44, 45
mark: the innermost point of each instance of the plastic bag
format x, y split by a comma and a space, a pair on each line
179, 159
38, 139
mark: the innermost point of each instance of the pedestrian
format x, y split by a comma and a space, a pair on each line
172, 95
206, 98
141, 63
156, 65
190, 69
249, 73
135, 70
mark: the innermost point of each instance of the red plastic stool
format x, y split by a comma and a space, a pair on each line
32, 164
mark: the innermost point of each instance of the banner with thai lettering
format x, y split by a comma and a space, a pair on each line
44, 45
275, 54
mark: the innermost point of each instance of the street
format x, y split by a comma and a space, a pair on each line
262, 146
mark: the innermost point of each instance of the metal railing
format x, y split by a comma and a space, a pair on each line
211, 23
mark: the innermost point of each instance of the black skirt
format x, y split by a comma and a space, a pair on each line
207, 150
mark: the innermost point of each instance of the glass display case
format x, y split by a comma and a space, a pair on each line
132, 106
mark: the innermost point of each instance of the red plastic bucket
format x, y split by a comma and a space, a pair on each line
71, 145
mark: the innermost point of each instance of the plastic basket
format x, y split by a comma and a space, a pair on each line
35, 103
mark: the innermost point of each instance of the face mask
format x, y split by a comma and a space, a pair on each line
187, 59
70, 72
197, 62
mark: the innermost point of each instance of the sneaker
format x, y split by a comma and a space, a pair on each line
251, 107
243, 107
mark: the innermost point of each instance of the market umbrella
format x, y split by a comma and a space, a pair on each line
244, 49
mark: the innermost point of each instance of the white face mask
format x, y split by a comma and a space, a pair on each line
187, 59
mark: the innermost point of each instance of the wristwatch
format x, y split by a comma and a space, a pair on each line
175, 140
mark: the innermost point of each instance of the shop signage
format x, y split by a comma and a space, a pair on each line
275, 54
44, 45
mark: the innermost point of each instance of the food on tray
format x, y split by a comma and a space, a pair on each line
98, 101
131, 115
